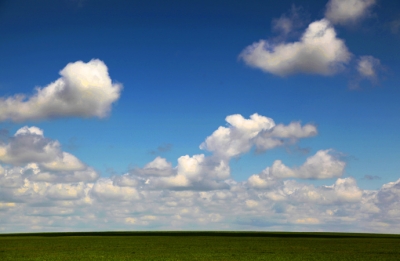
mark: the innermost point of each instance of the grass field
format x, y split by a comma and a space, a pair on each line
199, 246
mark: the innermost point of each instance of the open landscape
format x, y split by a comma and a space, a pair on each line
199, 246
199, 130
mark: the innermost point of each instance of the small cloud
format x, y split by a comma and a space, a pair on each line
162, 149
287, 24
347, 11
369, 68
370, 177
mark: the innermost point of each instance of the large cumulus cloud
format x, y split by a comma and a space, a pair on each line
318, 51
83, 90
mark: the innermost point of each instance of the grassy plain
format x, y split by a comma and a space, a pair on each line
199, 246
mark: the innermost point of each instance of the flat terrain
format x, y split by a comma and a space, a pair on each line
199, 246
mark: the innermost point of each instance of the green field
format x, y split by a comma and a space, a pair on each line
199, 246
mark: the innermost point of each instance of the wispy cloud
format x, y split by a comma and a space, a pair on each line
347, 11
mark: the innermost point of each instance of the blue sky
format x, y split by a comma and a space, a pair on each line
172, 74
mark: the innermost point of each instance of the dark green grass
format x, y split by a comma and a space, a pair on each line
199, 246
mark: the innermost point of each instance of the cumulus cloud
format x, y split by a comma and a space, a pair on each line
158, 167
319, 51
66, 191
347, 11
29, 145
83, 90
195, 172
105, 190
322, 165
39, 158
260, 131
343, 191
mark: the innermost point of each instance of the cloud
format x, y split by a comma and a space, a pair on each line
66, 191
367, 66
242, 134
370, 177
195, 173
158, 167
322, 165
319, 51
287, 23
29, 145
105, 190
161, 149
84, 90
197, 193
341, 192
38, 158
347, 11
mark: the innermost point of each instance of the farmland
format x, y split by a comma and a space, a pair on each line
198, 246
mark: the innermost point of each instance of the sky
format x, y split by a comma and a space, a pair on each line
199, 115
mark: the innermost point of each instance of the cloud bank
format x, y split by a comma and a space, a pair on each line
83, 90
47, 189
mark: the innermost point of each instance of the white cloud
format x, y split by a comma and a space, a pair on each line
86, 175
29, 145
126, 180
342, 205
242, 134
196, 172
29, 130
84, 90
367, 66
158, 167
105, 190
64, 162
66, 191
41, 159
319, 51
322, 165
347, 11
